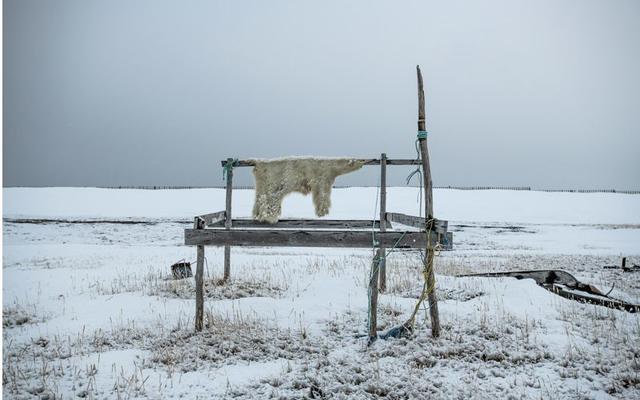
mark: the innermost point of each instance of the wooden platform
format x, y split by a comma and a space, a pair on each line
212, 230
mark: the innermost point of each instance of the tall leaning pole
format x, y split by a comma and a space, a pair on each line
428, 208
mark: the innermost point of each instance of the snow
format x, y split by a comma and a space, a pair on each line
449, 204
94, 303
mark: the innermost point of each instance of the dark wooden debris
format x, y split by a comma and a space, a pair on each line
564, 284
624, 267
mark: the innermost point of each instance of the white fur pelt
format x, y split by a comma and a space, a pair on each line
277, 178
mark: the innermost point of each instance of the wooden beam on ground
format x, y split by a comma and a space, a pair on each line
306, 223
366, 161
306, 238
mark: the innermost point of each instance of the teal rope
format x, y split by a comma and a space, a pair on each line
228, 167
422, 134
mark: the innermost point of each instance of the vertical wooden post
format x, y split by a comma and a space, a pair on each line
199, 224
373, 297
227, 221
383, 225
428, 206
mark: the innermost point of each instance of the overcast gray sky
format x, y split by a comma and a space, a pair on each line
121, 92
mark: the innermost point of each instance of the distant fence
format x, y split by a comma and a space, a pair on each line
526, 188
538, 190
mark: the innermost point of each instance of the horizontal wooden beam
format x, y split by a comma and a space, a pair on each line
366, 161
306, 238
440, 226
306, 223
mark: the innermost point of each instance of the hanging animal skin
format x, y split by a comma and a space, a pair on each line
277, 178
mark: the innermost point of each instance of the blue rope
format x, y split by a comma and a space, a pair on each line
422, 134
228, 167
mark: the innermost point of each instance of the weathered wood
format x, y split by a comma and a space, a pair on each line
200, 288
428, 205
306, 223
382, 252
439, 226
305, 238
228, 222
373, 296
366, 161
213, 218
601, 301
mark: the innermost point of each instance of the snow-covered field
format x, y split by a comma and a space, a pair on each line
90, 310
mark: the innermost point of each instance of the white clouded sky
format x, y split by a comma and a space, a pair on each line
522, 93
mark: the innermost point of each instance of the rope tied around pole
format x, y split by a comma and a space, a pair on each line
422, 134
426, 289
228, 167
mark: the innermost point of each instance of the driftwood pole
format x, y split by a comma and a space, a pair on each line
199, 224
227, 221
383, 225
428, 207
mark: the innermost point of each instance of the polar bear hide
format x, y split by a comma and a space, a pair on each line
277, 178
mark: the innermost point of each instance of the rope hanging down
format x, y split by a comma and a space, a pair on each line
407, 328
228, 167
426, 289
418, 172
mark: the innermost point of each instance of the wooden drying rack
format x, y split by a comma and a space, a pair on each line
220, 229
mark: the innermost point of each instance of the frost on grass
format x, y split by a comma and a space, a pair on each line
48, 366
405, 279
229, 341
404, 368
17, 315
492, 356
216, 289
153, 283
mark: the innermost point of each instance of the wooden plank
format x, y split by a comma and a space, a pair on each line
439, 226
228, 222
382, 252
306, 223
305, 238
428, 205
366, 161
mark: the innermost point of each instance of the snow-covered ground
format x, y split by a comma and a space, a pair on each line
89, 309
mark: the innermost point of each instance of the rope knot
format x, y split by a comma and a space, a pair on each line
228, 167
